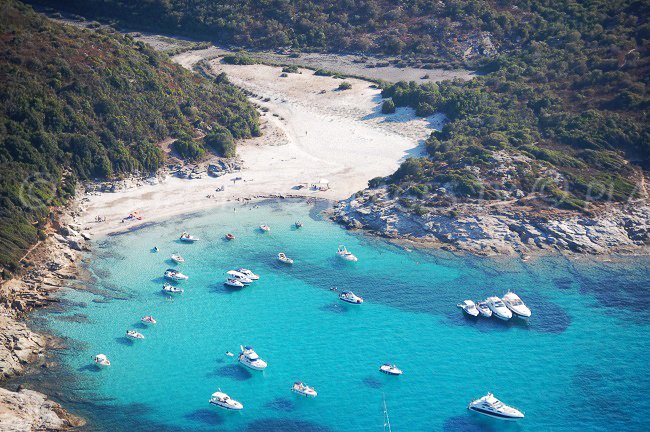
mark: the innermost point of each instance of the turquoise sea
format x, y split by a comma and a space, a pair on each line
579, 364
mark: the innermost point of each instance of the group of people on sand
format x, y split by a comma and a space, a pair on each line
100, 218
132, 216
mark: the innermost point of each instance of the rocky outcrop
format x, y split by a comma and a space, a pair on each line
487, 229
29, 411
18, 347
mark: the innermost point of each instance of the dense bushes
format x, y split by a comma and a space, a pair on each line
76, 104
388, 107
221, 141
188, 149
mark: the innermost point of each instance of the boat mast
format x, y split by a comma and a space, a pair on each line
386, 419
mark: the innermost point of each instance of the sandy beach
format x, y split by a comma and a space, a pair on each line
313, 134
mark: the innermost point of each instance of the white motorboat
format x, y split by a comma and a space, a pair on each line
187, 238
265, 228
178, 259
303, 389
171, 289
148, 320
346, 255
101, 360
484, 309
229, 354
248, 273
248, 357
390, 369
498, 309
222, 400
284, 259
132, 334
514, 303
233, 274
233, 283
350, 297
175, 275
298, 224
490, 406
469, 308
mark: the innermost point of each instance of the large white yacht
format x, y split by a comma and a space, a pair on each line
303, 389
177, 259
248, 273
101, 360
469, 308
484, 309
132, 334
175, 275
148, 320
390, 369
222, 400
187, 238
350, 297
490, 406
171, 289
248, 357
233, 274
346, 255
498, 309
233, 283
514, 303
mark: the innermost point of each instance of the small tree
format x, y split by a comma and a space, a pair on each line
388, 107
345, 86
188, 149
221, 141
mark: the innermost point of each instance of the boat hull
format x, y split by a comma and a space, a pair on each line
226, 406
494, 415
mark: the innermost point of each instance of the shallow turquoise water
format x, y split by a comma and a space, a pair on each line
580, 363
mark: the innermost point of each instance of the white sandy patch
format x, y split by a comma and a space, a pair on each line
308, 135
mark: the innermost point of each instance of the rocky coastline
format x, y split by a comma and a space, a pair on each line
487, 229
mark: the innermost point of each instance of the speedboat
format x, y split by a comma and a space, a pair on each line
248, 357
298, 224
469, 308
186, 237
155, 249
148, 320
171, 289
303, 389
222, 400
484, 309
284, 259
498, 309
230, 236
229, 354
390, 369
233, 274
101, 360
490, 406
178, 259
175, 275
343, 253
265, 228
132, 334
514, 303
249, 274
350, 297
233, 283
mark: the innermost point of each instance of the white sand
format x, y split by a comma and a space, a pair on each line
340, 136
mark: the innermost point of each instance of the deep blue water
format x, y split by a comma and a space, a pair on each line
579, 364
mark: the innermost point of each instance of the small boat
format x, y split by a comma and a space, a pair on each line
233, 283
284, 259
249, 274
265, 228
178, 259
187, 238
303, 389
298, 224
132, 334
175, 275
249, 358
390, 369
498, 309
170, 289
490, 406
484, 309
155, 249
229, 354
222, 400
233, 274
148, 320
514, 303
230, 236
469, 308
350, 297
343, 253
101, 360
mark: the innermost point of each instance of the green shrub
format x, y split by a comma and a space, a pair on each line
344, 86
388, 107
221, 141
189, 149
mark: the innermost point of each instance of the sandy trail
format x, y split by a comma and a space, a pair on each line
311, 132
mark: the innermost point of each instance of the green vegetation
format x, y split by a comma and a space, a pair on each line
221, 141
238, 59
290, 69
344, 86
189, 149
388, 107
77, 104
